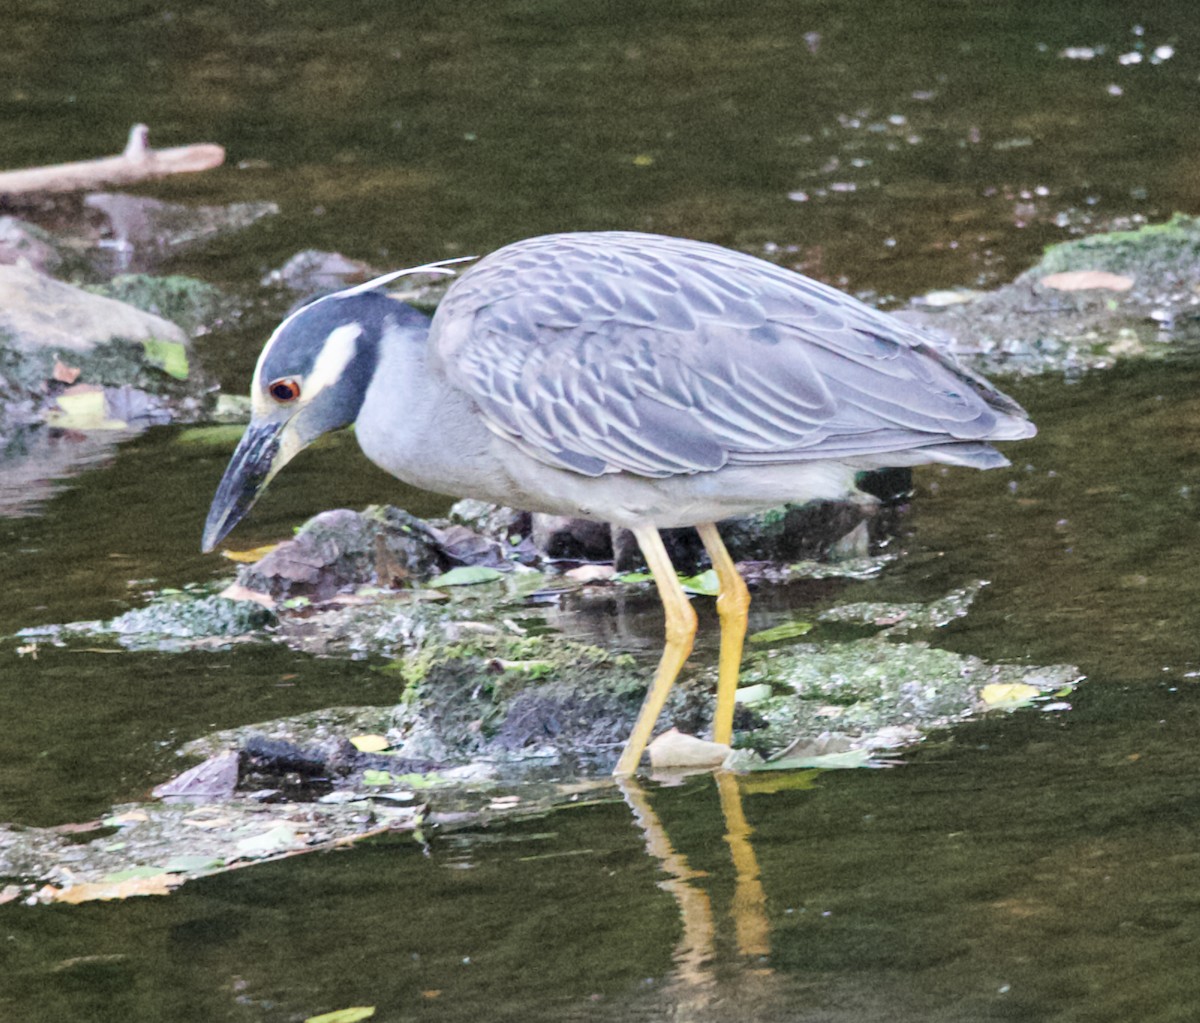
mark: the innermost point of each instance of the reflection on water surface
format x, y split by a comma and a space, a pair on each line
1034, 866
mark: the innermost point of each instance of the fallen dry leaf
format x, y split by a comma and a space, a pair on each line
207, 823
1087, 280
65, 374
236, 591
675, 749
91, 891
591, 573
216, 778
78, 829
128, 817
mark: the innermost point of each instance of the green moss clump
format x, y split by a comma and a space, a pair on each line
118, 362
502, 696
193, 304
1172, 249
873, 687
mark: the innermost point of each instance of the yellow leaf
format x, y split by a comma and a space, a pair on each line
370, 743
82, 407
1007, 695
169, 356
252, 555
351, 1015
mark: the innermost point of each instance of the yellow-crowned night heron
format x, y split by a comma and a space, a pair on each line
632, 378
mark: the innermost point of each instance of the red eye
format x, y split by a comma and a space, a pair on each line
284, 390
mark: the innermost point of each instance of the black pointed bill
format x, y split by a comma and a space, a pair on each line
253, 464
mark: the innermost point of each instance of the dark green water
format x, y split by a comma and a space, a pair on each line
1033, 867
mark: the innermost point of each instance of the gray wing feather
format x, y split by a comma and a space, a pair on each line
612, 352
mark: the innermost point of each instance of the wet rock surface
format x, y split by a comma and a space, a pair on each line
23, 244
1030, 326
342, 549
40, 313
815, 531
313, 272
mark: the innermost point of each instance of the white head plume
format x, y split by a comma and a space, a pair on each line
442, 266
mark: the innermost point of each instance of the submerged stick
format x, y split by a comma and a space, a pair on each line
137, 163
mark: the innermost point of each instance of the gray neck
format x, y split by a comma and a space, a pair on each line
416, 426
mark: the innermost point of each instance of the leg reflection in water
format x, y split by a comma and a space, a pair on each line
749, 900
696, 955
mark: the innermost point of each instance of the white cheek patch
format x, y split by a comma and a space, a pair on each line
335, 355
337, 352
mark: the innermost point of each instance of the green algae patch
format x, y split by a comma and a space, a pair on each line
223, 435
512, 698
875, 693
173, 621
492, 721
151, 848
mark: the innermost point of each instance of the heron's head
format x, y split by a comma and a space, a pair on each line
310, 379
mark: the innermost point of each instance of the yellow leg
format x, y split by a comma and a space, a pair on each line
681, 632
733, 605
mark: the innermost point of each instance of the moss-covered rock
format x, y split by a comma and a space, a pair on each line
506, 697
192, 304
179, 618
76, 360
1167, 253
872, 693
